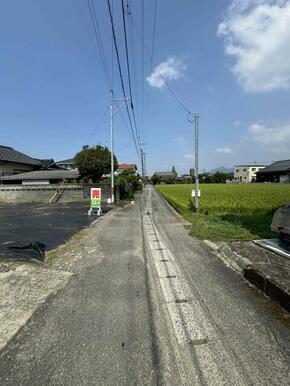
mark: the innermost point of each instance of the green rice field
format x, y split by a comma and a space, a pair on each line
229, 211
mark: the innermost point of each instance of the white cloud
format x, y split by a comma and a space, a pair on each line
188, 156
257, 36
224, 150
273, 135
171, 69
180, 139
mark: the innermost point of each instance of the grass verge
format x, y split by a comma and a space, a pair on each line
228, 212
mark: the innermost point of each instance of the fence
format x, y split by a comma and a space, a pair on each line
42, 193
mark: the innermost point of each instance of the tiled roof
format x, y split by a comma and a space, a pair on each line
8, 154
127, 166
66, 161
278, 166
43, 175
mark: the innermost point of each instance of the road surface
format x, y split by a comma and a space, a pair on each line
149, 306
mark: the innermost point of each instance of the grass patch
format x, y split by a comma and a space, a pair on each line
229, 211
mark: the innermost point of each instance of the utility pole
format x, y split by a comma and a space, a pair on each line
145, 172
112, 112
142, 163
143, 167
112, 150
196, 124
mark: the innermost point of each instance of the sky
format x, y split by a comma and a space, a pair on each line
229, 60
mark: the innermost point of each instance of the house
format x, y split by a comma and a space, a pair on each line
186, 178
164, 177
230, 178
14, 162
125, 166
68, 164
41, 177
278, 171
246, 173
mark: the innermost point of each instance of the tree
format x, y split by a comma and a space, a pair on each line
93, 162
128, 183
155, 179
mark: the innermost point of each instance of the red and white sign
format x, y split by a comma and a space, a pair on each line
96, 193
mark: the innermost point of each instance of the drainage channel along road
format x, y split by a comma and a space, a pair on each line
225, 333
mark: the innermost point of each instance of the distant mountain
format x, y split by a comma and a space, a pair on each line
221, 169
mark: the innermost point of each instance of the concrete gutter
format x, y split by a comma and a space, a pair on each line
267, 279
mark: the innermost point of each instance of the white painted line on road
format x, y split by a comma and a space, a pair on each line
212, 364
186, 315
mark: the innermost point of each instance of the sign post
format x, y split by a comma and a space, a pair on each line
96, 197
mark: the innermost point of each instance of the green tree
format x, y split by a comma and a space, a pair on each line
128, 183
93, 162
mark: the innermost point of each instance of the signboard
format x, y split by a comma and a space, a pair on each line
193, 193
96, 196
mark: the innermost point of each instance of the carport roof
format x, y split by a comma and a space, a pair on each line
278, 166
8, 154
43, 175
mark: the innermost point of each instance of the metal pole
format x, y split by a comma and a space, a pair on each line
196, 124
112, 150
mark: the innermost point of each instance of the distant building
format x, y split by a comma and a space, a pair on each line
164, 177
278, 172
186, 177
192, 172
14, 162
246, 173
68, 164
230, 178
41, 177
125, 166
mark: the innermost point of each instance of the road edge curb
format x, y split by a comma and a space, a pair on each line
251, 274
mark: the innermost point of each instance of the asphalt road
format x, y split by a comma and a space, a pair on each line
151, 305
21, 224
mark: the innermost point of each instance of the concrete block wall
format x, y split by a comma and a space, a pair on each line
14, 194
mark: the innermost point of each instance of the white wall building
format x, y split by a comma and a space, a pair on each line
246, 173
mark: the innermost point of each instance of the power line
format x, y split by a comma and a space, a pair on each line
151, 67
97, 125
129, 11
162, 77
99, 40
142, 62
128, 71
121, 76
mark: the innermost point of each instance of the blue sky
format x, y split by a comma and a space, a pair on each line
228, 59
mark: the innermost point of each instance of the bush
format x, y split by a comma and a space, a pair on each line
128, 183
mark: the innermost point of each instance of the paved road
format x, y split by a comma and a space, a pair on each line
21, 224
151, 305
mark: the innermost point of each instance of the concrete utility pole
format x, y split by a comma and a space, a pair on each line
112, 112
143, 167
112, 150
196, 124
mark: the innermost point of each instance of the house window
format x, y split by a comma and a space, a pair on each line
244, 170
253, 169
237, 170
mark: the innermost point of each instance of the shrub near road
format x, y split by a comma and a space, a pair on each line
229, 211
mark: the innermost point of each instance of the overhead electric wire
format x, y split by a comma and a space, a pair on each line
99, 41
97, 125
128, 71
121, 77
136, 88
151, 68
162, 77
142, 62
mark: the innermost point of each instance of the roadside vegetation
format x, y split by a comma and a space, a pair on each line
228, 211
